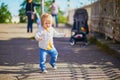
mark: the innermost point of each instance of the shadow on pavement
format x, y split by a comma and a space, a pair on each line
18, 51
21, 56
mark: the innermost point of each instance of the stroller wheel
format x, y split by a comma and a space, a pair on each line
72, 42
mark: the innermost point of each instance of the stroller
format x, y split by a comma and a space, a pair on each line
80, 27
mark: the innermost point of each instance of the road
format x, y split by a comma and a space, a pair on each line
19, 58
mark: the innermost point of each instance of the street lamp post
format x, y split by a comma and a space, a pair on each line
42, 6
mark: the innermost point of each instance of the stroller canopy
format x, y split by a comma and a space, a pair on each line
81, 14
80, 19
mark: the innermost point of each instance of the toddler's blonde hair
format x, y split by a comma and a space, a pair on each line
46, 17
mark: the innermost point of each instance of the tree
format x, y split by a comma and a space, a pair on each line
47, 3
22, 15
5, 15
22, 12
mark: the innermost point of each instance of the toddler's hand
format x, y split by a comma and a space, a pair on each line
40, 38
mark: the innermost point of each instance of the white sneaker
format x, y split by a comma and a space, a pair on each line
55, 67
44, 71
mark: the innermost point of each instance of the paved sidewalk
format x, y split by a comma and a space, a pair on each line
19, 58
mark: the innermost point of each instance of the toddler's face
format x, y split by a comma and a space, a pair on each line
47, 24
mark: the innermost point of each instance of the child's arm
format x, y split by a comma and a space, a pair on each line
57, 34
38, 36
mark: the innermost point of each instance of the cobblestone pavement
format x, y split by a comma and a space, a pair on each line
19, 58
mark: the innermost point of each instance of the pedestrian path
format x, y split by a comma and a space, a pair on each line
19, 58
64, 72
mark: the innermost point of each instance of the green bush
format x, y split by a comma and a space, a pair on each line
62, 19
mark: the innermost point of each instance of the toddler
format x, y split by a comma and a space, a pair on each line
44, 36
